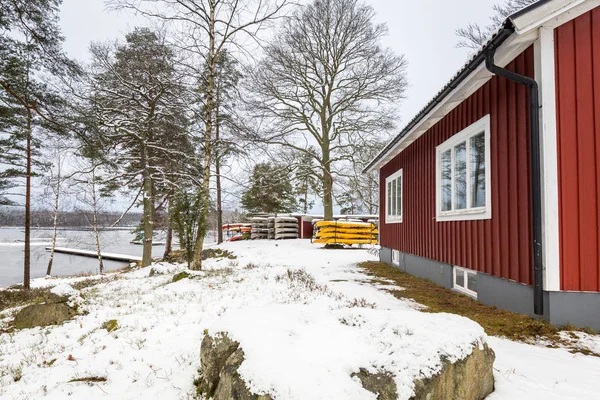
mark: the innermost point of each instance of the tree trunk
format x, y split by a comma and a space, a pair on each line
27, 250
201, 232
95, 221
306, 199
148, 223
169, 240
327, 178
56, 205
218, 174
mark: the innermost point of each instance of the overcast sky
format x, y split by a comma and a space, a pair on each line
422, 30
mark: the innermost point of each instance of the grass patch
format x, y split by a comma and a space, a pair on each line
89, 379
10, 298
215, 252
495, 322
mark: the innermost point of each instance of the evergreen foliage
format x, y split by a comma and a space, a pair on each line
270, 190
186, 216
139, 104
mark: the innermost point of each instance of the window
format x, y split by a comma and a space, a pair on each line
463, 174
395, 257
393, 197
465, 281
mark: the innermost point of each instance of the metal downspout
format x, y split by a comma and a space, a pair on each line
536, 180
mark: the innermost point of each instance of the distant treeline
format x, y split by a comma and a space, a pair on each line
11, 216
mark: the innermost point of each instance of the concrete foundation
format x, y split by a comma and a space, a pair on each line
581, 309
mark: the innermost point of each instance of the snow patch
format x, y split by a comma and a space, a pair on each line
64, 289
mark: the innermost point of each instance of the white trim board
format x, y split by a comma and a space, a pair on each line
545, 75
482, 125
388, 218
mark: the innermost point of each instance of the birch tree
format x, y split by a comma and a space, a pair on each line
138, 102
55, 181
211, 27
327, 83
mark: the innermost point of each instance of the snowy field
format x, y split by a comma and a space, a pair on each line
306, 319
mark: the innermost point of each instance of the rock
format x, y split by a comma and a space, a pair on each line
381, 383
43, 315
469, 379
180, 276
110, 325
152, 272
220, 358
53, 298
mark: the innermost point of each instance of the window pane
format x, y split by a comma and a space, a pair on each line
389, 198
394, 197
460, 176
477, 185
399, 196
472, 282
460, 278
446, 171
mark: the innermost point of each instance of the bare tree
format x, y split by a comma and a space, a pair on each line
474, 35
88, 177
327, 83
211, 26
54, 181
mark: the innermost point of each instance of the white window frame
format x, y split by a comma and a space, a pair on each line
463, 289
485, 212
394, 219
396, 257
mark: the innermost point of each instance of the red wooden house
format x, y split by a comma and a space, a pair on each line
494, 188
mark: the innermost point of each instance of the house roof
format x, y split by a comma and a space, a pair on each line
503, 33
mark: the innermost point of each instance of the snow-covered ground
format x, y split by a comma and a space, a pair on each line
306, 318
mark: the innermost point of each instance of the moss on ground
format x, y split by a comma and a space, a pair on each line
495, 322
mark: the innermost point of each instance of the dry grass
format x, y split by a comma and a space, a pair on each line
495, 322
89, 379
10, 298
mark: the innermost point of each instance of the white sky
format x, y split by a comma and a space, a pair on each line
422, 30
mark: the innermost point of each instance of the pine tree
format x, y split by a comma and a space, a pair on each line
139, 103
270, 190
30, 53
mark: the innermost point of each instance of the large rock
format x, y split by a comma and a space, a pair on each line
43, 315
471, 378
220, 358
381, 383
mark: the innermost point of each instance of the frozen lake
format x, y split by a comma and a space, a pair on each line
11, 252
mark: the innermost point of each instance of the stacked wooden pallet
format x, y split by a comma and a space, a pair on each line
348, 233
271, 226
260, 228
286, 228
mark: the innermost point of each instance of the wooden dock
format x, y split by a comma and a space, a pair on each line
94, 254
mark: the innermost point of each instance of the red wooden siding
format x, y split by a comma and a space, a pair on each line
500, 246
577, 54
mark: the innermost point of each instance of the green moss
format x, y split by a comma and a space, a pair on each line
180, 276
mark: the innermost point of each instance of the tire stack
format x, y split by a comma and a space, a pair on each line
286, 228
271, 227
260, 228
